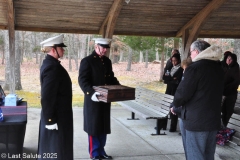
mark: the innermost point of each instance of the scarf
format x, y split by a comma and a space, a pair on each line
174, 69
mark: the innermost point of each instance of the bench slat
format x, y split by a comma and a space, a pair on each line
142, 111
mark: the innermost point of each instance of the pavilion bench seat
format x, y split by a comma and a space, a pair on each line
234, 123
231, 150
150, 105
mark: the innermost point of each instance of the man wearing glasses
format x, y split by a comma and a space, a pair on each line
200, 95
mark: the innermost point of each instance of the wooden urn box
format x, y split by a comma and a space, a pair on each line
112, 93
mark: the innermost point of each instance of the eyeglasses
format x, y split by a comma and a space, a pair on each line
191, 51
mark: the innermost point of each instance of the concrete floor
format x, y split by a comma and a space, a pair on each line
130, 139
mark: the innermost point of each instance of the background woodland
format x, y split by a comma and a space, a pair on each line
136, 60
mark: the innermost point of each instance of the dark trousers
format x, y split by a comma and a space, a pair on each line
171, 89
228, 108
96, 145
174, 121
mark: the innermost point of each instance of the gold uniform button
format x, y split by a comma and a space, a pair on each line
49, 120
94, 56
87, 92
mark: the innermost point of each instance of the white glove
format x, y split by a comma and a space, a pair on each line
94, 97
52, 127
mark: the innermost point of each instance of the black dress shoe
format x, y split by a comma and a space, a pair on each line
96, 158
172, 130
106, 157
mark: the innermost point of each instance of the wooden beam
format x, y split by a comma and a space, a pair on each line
56, 30
109, 23
11, 33
3, 27
198, 21
203, 14
184, 42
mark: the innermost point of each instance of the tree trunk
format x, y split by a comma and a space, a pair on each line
237, 49
146, 63
35, 45
10, 62
162, 59
157, 55
88, 43
3, 55
162, 66
42, 56
23, 46
129, 59
140, 57
83, 46
121, 56
18, 85
76, 63
70, 49
6, 84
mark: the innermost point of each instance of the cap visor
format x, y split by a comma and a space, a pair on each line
105, 45
60, 45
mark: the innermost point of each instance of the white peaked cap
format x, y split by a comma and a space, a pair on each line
104, 42
56, 41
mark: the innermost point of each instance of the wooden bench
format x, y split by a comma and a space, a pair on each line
234, 123
150, 105
237, 105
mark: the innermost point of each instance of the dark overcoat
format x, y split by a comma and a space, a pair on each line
95, 71
173, 81
56, 101
200, 94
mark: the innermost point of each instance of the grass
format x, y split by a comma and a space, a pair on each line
33, 99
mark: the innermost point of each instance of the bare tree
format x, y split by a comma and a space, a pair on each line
237, 49
146, 59
162, 58
18, 85
121, 56
129, 59
140, 57
2, 46
88, 44
9, 83
157, 55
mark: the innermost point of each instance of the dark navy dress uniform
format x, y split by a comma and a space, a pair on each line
96, 70
56, 100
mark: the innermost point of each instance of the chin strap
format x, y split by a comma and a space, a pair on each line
56, 51
99, 51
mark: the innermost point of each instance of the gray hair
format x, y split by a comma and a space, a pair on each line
200, 45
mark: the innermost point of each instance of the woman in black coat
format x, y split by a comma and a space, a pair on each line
56, 125
173, 79
231, 83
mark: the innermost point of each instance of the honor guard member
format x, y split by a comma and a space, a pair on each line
56, 124
96, 70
